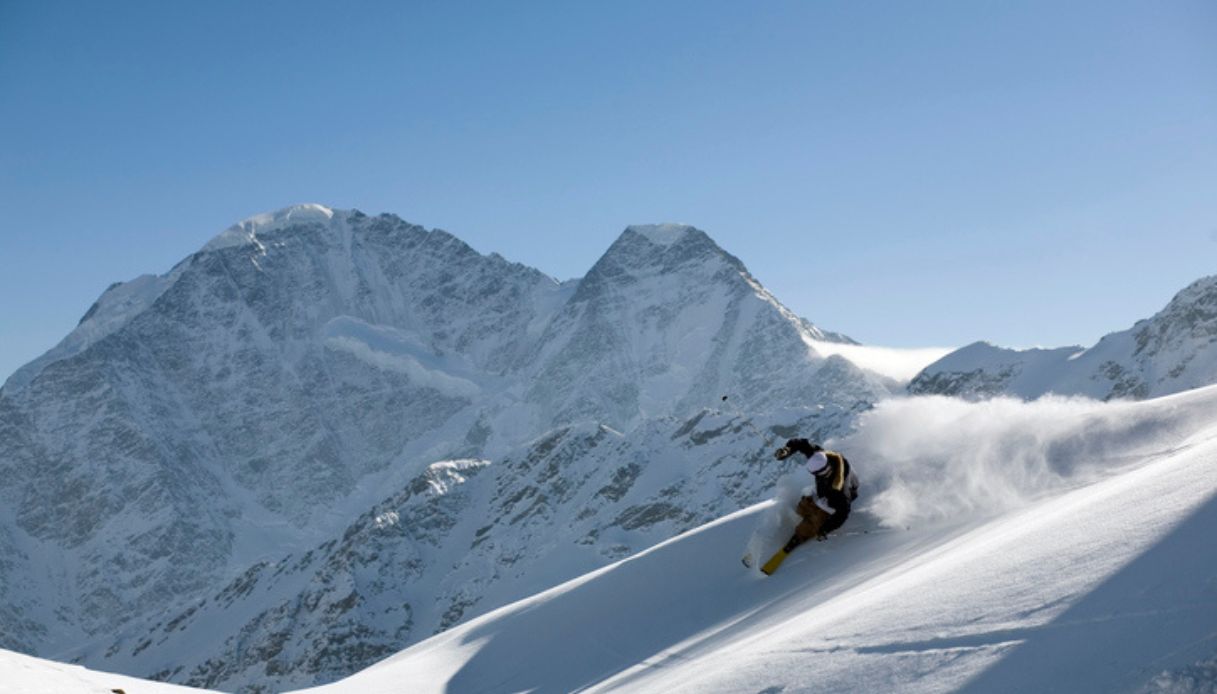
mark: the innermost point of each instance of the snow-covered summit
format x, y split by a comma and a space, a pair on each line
247, 230
661, 234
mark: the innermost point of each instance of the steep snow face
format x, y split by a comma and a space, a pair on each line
1173, 351
1081, 585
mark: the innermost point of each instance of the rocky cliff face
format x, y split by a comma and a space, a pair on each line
1173, 351
326, 435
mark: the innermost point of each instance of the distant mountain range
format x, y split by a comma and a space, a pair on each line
1173, 351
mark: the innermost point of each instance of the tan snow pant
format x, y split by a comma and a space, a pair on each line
814, 518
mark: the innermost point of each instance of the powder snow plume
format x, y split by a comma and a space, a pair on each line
925, 459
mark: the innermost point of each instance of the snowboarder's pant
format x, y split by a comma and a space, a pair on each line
814, 519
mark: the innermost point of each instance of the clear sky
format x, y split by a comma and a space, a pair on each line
908, 173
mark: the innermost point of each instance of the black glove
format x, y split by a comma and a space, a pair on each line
803, 446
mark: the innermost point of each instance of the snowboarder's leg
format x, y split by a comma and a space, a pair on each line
811, 526
814, 519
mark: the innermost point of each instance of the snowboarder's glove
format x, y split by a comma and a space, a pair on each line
793, 446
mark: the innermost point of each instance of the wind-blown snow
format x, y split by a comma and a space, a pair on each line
394, 350
935, 458
900, 364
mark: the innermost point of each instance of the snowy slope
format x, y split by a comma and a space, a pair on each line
1172, 351
26, 674
1073, 553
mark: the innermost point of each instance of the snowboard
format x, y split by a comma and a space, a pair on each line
774, 562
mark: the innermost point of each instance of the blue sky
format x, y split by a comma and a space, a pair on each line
910, 174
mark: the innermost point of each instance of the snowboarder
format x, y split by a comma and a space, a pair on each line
826, 506
836, 486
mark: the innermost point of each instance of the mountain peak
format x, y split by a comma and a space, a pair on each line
658, 250
247, 230
661, 234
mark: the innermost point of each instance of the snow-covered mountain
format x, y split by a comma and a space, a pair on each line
1173, 351
326, 435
